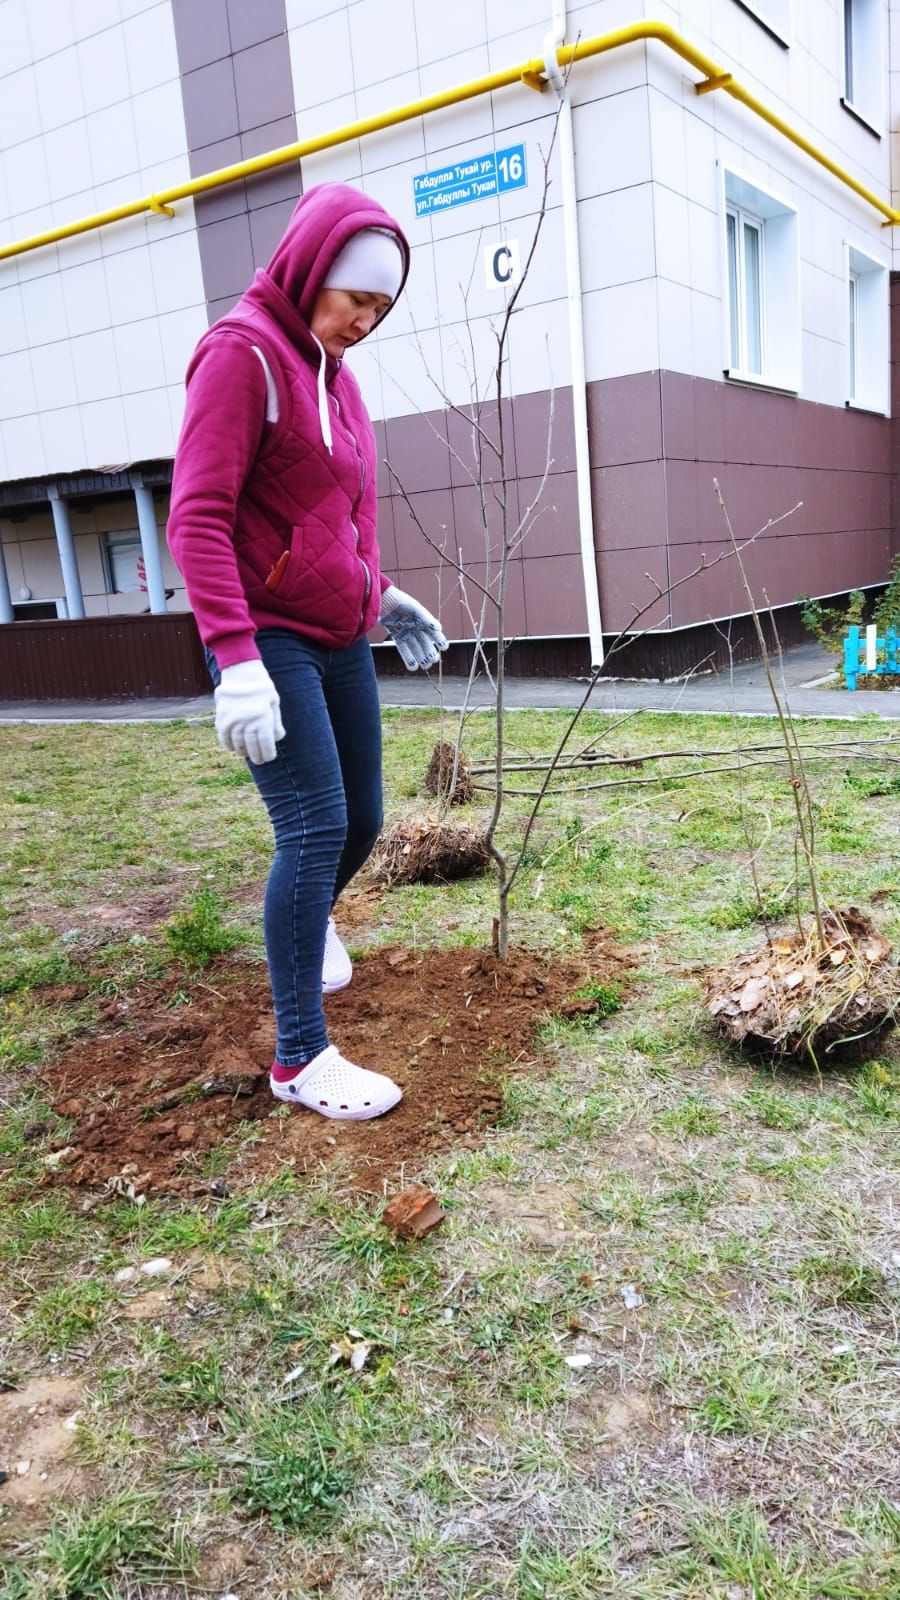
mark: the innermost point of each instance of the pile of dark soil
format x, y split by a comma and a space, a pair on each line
166, 1084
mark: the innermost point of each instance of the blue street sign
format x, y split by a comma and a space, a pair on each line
477, 178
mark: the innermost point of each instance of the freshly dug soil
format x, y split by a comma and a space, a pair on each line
164, 1084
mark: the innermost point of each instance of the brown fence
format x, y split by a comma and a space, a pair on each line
102, 658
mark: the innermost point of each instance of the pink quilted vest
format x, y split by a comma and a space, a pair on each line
298, 546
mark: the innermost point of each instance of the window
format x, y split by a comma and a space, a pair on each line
124, 563
745, 291
775, 16
763, 292
867, 332
862, 60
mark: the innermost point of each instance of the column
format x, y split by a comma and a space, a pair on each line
62, 524
149, 532
6, 610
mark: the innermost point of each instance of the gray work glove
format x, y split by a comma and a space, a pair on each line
416, 633
248, 712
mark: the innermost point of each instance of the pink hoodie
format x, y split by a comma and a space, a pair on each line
268, 527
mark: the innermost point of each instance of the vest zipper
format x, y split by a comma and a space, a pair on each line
367, 590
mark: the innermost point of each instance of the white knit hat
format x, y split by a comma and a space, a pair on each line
370, 262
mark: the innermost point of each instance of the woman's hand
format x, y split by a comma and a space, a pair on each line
248, 712
416, 633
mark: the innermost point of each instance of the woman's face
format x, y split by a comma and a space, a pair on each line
342, 317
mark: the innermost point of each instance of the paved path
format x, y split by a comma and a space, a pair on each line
745, 692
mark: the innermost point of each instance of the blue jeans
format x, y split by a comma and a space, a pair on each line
323, 796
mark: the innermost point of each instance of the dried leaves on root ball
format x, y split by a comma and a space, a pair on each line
797, 996
430, 849
440, 780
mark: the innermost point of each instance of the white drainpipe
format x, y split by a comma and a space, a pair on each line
556, 78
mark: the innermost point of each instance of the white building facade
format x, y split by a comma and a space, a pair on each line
707, 299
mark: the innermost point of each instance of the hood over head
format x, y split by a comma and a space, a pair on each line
322, 223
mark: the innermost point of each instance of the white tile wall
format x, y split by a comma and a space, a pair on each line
150, 49
20, 116
86, 299
411, 372
17, 397
13, 335
24, 447
468, 120
129, 286
708, 334
44, 309
676, 338
179, 332
63, 438
382, 43
139, 357
148, 424
298, 12
15, 48
672, 235
105, 433
68, 154
621, 330
468, 358
27, 178
418, 305
177, 278
53, 26
96, 373
59, 88
159, 125
364, 364
321, 59
435, 40
113, 145
54, 376
617, 239
539, 347
91, 16
612, 143
406, 141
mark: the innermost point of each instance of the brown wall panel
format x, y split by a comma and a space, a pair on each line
237, 92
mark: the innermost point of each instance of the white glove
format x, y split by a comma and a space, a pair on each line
248, 712
416, 633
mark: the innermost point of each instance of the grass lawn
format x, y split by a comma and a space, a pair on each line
652, 1352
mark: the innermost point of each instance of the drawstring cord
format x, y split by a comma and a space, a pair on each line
324, 413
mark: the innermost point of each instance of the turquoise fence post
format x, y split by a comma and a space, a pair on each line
891, 647
851, 657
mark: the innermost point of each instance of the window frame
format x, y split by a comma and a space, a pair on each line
780, 332
866, 281
745, 222
126, 540
862, 38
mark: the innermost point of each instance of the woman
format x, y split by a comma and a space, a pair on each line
272, 524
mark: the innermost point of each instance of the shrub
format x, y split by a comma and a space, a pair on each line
198, 933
